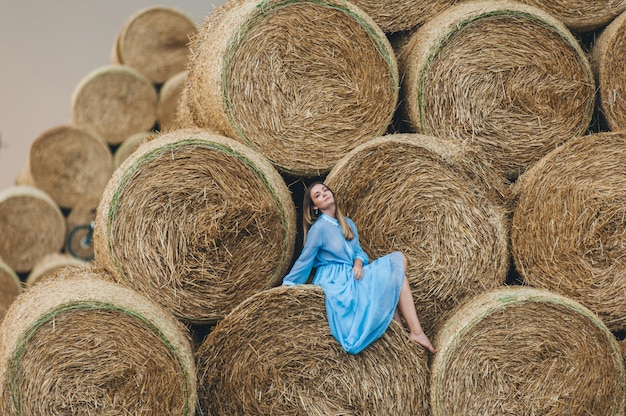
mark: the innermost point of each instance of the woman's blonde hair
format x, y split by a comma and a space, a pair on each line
309, 216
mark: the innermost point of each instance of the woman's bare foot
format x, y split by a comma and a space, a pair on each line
423, 340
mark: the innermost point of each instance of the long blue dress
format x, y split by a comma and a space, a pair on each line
359, 311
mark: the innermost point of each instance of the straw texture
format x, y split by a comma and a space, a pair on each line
49, 265
70, 164
399, 15
80, 345
434, 202
32, 226
10, 287
131, 144
302, 82
197, 222
114, 101
568, 228
523, 351
274, 355
506, 79
581, 15
169, 98
154, 41
609, 59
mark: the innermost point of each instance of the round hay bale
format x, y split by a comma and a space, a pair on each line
503, 78
77, 344
609, 60
427, 198
399, 15
114, 101
32, 226
154, 41
569, 224
523, 351
169, 97
131, 144
287, 362
581, 15
70, 164
10, 287
302, 82
197, 222
24, 177
49, 265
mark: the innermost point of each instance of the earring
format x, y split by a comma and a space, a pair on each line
316, 211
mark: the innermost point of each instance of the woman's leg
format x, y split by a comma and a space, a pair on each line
406, 306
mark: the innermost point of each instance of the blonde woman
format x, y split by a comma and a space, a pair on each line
362, 297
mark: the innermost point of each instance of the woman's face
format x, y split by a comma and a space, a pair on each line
322, 197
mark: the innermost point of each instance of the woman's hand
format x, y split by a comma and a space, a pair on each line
357, 269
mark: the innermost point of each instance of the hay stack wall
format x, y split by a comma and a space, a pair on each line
274, 354
505, 79
77, 344
425, 197
196, 222
302, 82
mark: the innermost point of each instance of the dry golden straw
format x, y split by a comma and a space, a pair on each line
169, 97
569, 224
70, 164
582, 15
609, 59
197, 222
49, 265
274, 355
155, 41
399, 15
429, 199
505, 79
524, 351
131, 144
79, 345
32, 226
114, 101
303, 82
10, 287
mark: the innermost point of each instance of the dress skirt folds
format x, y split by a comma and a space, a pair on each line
359, 311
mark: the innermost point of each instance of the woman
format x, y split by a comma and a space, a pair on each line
361, 297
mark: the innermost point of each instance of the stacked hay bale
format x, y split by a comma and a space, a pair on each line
77, 344
10, 287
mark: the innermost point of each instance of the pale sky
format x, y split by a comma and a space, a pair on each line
46, 48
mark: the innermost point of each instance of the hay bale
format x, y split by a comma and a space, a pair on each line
77, 344
523, 351
569, 225
427, 198
131, 144
302, 82
24, 177
503, 78
581, 15
49, 265
70, 164
609, 59
114, 101
32, 226
154, 41
274, 354
400, 15
10, 287
197, 222
169, 97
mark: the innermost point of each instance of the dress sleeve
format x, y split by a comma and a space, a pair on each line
359, 253
301, 269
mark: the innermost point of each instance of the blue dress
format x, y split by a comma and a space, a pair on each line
359, 311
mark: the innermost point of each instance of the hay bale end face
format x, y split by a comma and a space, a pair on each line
425, 197
155, 41
609, 59
399, 15
32, 226
302, 82
10, 287
77, 344
169, 98
525, 351
569, 224
70, 164
581, 15
49, 265
506, 79
114, 101
197, 222
274, 354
